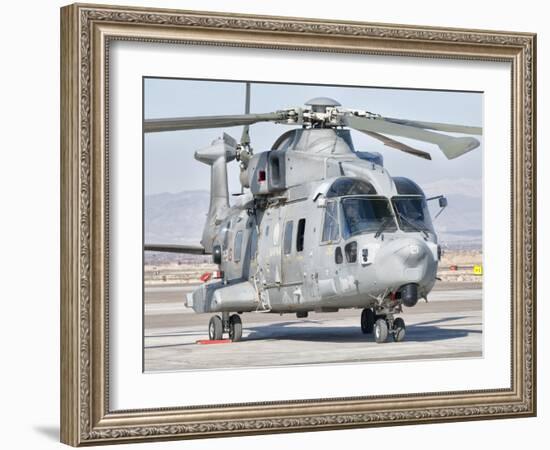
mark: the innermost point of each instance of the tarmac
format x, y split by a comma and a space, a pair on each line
448, 326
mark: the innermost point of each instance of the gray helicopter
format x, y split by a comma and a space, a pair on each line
319, 226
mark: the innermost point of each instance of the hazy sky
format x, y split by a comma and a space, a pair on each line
168, 156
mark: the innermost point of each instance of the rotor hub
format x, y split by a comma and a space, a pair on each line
321, 104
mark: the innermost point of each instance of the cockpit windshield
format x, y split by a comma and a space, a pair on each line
367, 215
412, 213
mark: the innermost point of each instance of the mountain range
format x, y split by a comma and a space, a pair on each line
460, 225
175, 218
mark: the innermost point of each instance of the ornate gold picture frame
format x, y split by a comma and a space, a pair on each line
87, 32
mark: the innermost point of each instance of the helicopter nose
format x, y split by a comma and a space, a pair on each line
404, 261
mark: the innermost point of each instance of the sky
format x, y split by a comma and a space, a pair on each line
169, 165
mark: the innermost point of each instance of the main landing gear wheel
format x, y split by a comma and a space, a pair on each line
398, 329
367, 321
215, 328
380, 331
235, 328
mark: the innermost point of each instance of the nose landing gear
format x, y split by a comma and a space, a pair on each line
232, 325
398, 329
382, 326
380, 331
389, 326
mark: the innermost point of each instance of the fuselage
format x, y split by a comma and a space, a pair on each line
336, 231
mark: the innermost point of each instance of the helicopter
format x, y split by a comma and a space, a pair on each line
319, 226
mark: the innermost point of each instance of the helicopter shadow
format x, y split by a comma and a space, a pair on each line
420, 332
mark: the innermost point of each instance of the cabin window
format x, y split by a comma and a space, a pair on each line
331, 230
238, 246
338, 257
287, 242
351, 252
300, 235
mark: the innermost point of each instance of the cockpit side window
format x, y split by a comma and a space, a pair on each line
331, 230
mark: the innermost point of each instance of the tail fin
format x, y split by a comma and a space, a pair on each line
217, 155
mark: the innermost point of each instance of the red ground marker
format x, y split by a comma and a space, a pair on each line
215, 341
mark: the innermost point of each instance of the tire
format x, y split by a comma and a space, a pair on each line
398, 329
235, 328
367, 321
380, 331
215, 328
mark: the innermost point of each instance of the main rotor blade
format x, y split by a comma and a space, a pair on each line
452, 147
169, 248
398, 145
245, 137
190, 123
448, 127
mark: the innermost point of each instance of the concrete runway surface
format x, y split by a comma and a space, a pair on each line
449, 326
